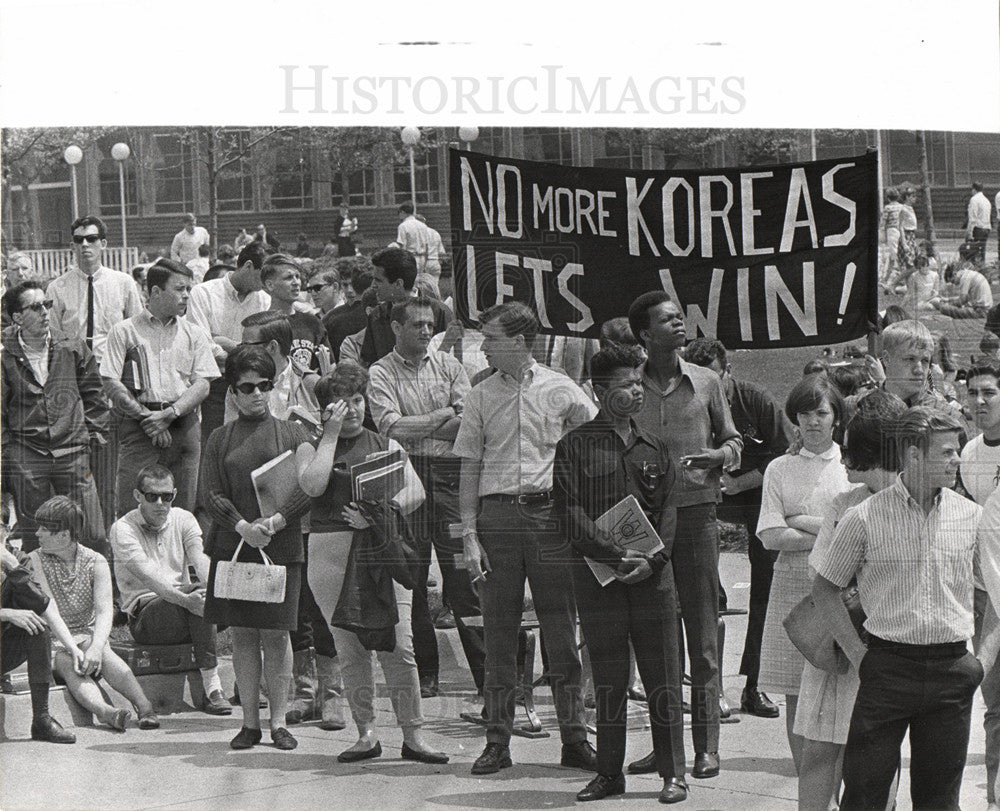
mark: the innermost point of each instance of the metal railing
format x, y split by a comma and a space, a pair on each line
52, 262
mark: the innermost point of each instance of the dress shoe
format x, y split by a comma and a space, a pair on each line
49, 729
495, 757
675, 790
646, 765
602, 786
216, 704
726, 715
637, 694
579, 755
706, 764
353, 755
149, 721
429, 687
445, 620
246, 738
282, 739
757, 703
419, 755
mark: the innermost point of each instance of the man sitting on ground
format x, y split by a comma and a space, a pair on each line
155, 546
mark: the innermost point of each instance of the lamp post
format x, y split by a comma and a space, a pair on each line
120, 153
73, 155
411, 137
467, 135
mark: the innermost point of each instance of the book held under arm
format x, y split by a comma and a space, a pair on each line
275, 482
379, 478
630, 529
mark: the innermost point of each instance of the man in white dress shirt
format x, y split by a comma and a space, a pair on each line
188, 240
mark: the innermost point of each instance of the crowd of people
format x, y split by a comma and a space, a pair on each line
134, 420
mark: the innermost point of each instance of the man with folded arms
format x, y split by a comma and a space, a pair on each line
914, 550
156, 370
596, 466
510, 426
155, 545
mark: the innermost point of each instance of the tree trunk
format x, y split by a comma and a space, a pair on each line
213, 191
925, 186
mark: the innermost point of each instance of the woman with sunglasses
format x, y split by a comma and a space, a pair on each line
227, 493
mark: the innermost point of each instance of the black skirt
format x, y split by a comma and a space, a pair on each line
281, 616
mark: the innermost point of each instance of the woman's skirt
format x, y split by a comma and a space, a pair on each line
281, 616
780, 661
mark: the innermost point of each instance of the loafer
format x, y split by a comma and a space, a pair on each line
246, 738
579, 755
149, 721
646, 765
757, 703
409, 753
637, 694
353, 755
675, 790
49, 729
602, 786
495, 757
282, 739
429, 687
726, 715
216, 704
706, 764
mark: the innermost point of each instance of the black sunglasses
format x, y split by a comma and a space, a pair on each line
315, 288
38, 306
166, 498
92, 238
249, 388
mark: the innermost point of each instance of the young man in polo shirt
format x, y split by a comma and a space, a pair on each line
686, 406
980, 465
510, 426
156, 370
913, 548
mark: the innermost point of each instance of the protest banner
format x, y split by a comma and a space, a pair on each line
759, 257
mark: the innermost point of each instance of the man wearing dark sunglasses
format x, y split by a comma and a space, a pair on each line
53, 410
156, 369
156, 545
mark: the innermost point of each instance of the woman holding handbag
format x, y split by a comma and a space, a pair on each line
367, 612
239, 533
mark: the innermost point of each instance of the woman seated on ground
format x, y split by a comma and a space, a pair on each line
227, 493
797, 491
324, 471
79, 580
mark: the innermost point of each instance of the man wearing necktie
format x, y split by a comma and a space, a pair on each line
87, 300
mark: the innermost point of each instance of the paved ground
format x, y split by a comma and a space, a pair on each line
188, 764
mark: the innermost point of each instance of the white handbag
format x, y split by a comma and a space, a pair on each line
255, 582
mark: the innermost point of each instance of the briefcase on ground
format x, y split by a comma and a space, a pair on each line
255, 582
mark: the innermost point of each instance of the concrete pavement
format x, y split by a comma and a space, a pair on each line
188, 763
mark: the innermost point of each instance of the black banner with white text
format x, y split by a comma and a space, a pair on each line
759, 257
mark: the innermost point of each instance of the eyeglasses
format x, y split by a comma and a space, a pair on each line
38, 306
315, 288
249, 388
93, 239
166, 498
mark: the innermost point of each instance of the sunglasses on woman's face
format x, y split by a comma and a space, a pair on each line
166, 498
249, 388
93, 239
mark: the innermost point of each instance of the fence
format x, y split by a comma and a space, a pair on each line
51, 262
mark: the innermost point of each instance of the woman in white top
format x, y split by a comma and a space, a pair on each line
797, 491
826, 697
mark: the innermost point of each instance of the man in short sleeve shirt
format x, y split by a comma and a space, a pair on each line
511, 424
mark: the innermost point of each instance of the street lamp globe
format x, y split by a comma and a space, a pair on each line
410, 135
73, 155
468, 134
120, 152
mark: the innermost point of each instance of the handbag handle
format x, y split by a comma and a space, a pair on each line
263, 554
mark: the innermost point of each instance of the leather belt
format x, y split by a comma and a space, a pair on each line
533, 499
945, 650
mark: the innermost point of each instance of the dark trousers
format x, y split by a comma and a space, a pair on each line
313, 630
213, 408
696, 575
644, 614
761, 572
181, 458
978, 240
104, 465
901, 690
431, 530
35, 477
19, 647
524, 542
161, 623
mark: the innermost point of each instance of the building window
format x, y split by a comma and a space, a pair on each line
292, 183
171, 159
548, 144
426, 170
489, 142
234, 187
904, 155
839, 143
110, 194
360, 188
977, 158
620, 151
